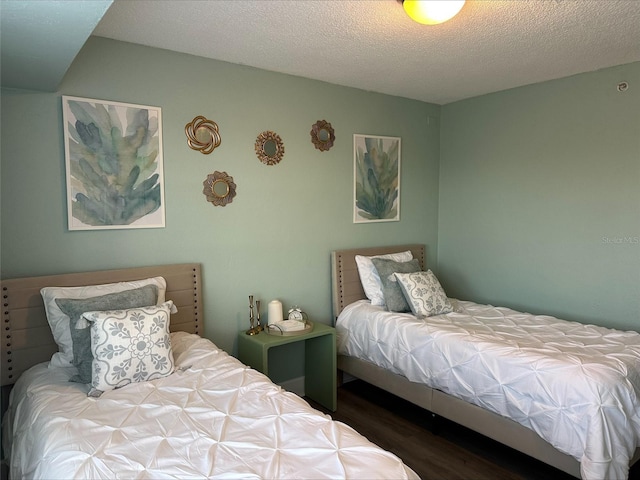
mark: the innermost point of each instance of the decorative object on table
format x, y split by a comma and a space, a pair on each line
289, 328
274, 312
253, 330
376, 191
295, 313
219, 188
258, 323
322, 135
202, 134
269, 148
297, 323
113, 154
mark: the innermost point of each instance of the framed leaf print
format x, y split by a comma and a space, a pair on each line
376, 191
113, 157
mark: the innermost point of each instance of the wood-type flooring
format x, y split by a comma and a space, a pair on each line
453, 452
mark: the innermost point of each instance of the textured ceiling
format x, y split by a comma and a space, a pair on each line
490, 46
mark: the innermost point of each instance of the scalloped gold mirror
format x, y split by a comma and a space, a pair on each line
202, 134
219, 188
322, 135
269, 148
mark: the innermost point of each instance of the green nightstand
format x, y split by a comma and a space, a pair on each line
319, 359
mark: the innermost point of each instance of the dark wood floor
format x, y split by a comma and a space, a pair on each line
453, 453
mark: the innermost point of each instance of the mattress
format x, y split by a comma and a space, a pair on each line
576, 385
213, 418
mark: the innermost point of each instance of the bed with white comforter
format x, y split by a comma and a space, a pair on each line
576, 385
212, 418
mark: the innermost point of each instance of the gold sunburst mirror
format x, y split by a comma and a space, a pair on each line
269, 148
322, 135
219, 188
202, 134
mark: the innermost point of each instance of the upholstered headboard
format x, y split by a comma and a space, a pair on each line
27, 338
346, 287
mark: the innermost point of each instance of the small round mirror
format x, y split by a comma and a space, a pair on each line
202, 134
322, 135
220, 188
269, 148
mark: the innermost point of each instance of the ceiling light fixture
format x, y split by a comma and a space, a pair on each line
432, 12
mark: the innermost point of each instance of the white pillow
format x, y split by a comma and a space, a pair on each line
369, 275
60, 322
424, 294
130, 346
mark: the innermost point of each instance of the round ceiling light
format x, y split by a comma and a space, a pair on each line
432, 12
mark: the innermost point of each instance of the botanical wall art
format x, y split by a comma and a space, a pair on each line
376, 192
114, 164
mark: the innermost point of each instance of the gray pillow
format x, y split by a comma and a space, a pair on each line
81, 337
393, 296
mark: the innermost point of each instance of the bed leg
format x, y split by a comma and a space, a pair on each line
434, 426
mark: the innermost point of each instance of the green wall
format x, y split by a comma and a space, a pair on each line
528, 198
274, 240
540, 198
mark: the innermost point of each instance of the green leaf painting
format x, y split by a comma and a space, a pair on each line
114, 165
377, 178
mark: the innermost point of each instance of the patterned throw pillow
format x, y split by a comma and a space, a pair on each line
424, 293
393, 297
130, 346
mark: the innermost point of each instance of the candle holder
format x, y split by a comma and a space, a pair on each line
252, 327
258, 324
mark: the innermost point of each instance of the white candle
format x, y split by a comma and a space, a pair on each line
275, 311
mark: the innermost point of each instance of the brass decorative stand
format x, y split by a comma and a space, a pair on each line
258, 324
253, 329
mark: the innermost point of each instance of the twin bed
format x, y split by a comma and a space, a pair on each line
562, 392
178, 408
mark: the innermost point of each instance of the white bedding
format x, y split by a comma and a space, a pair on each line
212, 418
577, 386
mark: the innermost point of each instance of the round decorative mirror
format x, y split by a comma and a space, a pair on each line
202, 134
219, 188
269, 148
322, 135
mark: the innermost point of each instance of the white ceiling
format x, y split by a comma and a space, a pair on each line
491, 45
369, 44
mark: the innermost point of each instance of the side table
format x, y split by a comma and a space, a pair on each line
319, 359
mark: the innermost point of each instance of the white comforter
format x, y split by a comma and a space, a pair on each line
577, 386
213, 418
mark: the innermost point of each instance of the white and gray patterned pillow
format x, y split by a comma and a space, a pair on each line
130, 346
424, 294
